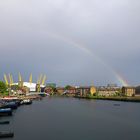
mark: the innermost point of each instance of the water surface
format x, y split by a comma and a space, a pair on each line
58, 118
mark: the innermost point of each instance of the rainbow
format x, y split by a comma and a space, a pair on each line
121, 80
85, 49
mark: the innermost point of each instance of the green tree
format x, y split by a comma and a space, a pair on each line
68, 87
3, 87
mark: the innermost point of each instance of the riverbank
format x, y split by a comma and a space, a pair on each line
21, 97
124, 99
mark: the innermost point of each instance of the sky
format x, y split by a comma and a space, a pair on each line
77, 42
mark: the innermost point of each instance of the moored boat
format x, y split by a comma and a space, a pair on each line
5, 134
4, 122
26, 102
12, 105
5, 111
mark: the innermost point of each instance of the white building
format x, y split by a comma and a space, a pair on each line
31, 86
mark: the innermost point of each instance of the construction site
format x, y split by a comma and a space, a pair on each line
30, 85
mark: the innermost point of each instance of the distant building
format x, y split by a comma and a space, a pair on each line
128, 91
71, 91
48, 90
83, 91
25, 89
60, 90
38, 88
137, 92
108, 91
31, 86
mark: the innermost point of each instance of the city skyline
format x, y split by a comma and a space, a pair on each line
75, 42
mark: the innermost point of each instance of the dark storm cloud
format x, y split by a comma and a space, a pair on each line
54, 37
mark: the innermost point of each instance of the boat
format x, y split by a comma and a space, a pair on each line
5, 111
26, 102
12, 105
4, 122
6, 134
17, 102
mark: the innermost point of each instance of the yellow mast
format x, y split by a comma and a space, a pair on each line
31, 78
20, 80
43, 80
38, 83
10, 79
19, 76
40, 78
6, 80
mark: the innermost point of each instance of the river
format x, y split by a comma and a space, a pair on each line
60, 118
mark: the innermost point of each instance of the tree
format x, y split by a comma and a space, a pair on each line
68, 87
3, 87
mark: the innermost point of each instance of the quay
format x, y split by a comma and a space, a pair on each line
124, 99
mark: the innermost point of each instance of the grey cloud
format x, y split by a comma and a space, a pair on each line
39, 36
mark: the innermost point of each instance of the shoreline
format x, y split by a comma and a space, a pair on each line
34, 97
123, 99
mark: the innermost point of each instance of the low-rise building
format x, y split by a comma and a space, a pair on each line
83, 91
71, 91
108, 91
60, 90
86, 90
128, 91
48, 90
137, 91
